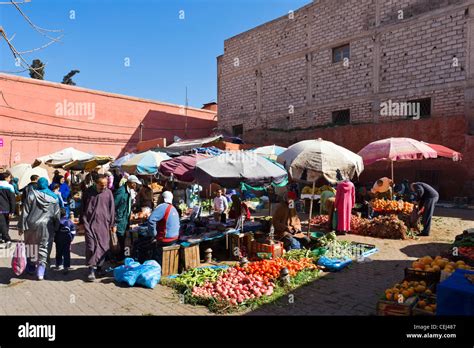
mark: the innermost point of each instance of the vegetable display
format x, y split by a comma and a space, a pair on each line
384, 226
467, 251
270, 269
235, 286
356, 222
336, 249
198, 276
298, 254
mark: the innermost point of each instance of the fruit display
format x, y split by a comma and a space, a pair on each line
401, 292
427, 303
307, 190
319, 220
387, 206
427, 263
235, 287
384, 226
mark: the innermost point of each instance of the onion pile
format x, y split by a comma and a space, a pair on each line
235, 287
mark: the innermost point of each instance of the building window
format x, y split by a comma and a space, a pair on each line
341, 52
424, 107
341, 117
238, 130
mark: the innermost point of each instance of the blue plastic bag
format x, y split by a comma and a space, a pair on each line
334, 264
128, 272
150, 274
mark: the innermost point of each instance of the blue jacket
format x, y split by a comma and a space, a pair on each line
172, 224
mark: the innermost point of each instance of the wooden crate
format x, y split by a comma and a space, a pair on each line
190, 257
393, 308
417, 311
170, 260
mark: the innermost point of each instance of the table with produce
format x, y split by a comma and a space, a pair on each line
417, 292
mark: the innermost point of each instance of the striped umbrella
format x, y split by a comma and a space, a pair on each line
145, 163
396, 149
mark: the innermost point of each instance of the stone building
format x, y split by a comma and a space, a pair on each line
354, 71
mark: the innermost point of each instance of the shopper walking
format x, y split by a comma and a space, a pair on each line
97, 219
38, 222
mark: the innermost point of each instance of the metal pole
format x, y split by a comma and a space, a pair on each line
186, 115
311, 208
141, 131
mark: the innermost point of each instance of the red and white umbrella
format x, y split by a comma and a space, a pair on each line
444, 151
396, 149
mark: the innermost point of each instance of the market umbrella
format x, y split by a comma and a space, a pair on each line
396, 149
24, 171
121, 160
235, 167
181, 167
444, 151
310, 160
271, 151
62, 157
88, 164
145, 163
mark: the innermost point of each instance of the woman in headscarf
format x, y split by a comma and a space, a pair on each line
39, 221
238, 208
345, 201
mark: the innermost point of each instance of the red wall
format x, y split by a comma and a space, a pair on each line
456, 178
30, 125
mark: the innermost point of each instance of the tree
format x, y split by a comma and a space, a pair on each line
37, 70
67, 80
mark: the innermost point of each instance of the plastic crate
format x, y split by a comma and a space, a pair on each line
361, 250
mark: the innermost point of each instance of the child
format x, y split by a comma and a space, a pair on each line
63, 240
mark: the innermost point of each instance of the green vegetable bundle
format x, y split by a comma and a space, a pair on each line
198, 276
465, 241
298, 254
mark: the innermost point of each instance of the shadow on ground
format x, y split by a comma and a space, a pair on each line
428, 249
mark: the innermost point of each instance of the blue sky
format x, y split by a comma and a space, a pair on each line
166, 53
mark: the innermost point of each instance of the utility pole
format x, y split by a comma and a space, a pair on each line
141, 131
186, 114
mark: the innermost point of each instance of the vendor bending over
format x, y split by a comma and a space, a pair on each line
163, 224
288, 225
427, 197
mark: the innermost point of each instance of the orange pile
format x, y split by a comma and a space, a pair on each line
427, 263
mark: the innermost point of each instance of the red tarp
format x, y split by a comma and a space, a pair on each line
182, 167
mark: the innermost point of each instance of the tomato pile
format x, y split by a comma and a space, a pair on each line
467, 252
270, 269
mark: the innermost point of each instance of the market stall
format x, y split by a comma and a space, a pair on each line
310, 160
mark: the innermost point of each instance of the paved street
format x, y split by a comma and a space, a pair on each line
353, 291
